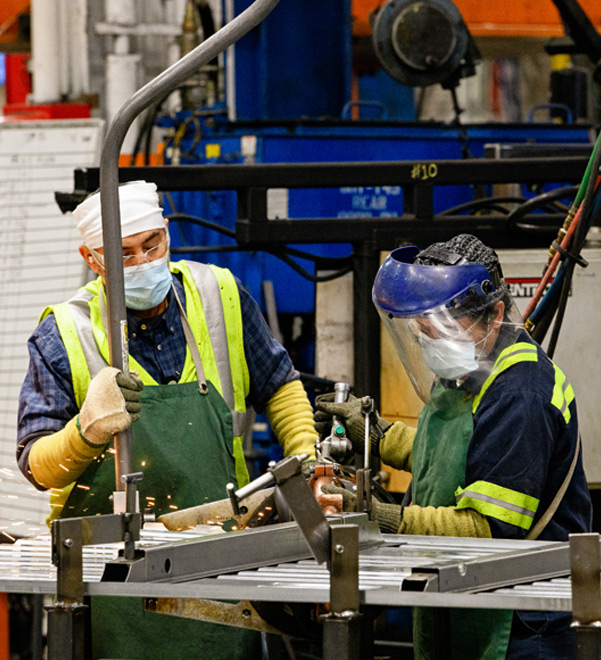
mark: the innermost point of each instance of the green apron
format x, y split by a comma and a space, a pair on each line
443, 435
183, 444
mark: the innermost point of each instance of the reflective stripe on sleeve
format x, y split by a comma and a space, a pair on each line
563, 394
497, 502
520, 352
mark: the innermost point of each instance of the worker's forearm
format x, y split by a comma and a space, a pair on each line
396, 446
58, 459
291, 417
444, 521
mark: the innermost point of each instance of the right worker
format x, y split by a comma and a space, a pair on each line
496, 452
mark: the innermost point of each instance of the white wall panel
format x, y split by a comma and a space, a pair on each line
39, 265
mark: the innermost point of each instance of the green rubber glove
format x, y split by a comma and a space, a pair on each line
353, 419
388, 516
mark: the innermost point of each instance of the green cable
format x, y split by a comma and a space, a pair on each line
587, 174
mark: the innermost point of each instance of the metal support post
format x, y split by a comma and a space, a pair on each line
342, 626
67, 617
585, 566
366, 322
363, 475
68, 631
68, 621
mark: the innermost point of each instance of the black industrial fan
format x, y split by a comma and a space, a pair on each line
424, 42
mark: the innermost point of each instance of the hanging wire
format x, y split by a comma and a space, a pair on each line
285, 254
571, 237
578, 243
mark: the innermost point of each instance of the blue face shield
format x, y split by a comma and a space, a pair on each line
428, 312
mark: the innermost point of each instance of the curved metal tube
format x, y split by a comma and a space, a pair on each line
153, 91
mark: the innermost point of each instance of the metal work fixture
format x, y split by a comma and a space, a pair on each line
288, 476
393, 571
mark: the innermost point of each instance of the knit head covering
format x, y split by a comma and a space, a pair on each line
463, 249
139, 208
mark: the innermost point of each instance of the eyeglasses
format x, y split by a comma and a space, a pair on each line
155, 252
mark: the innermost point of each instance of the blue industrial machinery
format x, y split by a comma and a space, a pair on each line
222, 142
297, 63
287, 99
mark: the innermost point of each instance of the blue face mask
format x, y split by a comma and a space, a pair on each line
449, 359
147, 285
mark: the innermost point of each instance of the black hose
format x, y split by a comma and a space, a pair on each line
476, 204
575, 248
538, 201
305, 273
284, 254
176, 217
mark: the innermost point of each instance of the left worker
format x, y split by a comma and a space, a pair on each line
200, 353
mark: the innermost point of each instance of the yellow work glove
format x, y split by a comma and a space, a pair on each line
444, 521
388, 516
396, 447
353, 420
111, 405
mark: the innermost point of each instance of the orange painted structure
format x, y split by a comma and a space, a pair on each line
505, 18
9, 13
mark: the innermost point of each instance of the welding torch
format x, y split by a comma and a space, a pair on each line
336, 447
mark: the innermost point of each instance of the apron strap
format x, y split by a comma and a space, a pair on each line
192, 345
550, 512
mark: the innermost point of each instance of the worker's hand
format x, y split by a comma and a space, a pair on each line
111, 405
308, 467
353, 420
388, 516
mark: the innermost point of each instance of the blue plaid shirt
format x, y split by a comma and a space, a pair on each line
47, 399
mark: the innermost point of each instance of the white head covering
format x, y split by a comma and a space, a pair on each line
140, 211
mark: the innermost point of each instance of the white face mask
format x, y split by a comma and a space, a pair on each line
449, 359
147, 284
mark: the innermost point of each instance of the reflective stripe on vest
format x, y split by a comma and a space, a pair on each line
213, 309
498, 502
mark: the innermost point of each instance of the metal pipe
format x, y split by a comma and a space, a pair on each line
45, 45
78, 47
151, 93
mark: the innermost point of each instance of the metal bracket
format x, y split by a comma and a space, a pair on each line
287, 475
585, 565
342, 626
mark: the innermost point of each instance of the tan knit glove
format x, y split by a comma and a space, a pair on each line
111, 405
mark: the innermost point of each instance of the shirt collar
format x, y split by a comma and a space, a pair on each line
164, 321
